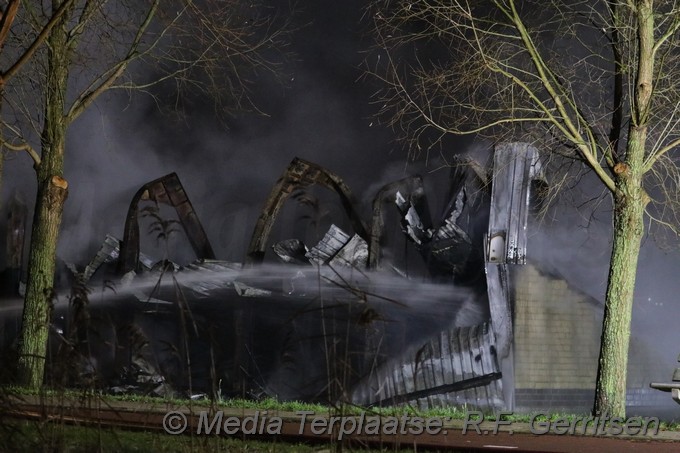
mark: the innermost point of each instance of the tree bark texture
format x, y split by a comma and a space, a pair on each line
50, 198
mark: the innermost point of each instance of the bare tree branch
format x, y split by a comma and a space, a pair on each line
22, 147
596, 82
36, 43
7, 19
102, 83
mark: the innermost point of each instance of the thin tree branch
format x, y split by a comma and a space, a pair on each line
23, 147
7, 20
33, 47
87, 97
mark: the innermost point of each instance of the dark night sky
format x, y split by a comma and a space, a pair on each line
323, 115
321, 112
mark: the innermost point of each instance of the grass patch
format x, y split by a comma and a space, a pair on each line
271, 404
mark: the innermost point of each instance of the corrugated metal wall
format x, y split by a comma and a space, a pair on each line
459, 366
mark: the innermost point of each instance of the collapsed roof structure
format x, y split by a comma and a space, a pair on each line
384, 353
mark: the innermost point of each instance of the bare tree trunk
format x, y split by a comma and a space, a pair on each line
52, 193
134, 32
630, 200
610, 393
37, 305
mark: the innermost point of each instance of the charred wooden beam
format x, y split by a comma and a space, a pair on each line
299, 173
167, 190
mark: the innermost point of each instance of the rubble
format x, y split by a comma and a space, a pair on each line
292, 251
141, 378
354, 254
334, 240
244, 290
454, 364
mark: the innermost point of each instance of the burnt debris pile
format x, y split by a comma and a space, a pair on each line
333, 321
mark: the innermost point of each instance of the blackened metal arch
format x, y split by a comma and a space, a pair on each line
300, 173
167, 190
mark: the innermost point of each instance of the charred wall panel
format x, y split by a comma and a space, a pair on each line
457, 366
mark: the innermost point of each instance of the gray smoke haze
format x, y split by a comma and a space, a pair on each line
323, 115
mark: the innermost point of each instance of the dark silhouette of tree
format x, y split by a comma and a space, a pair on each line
97, 46
593, 81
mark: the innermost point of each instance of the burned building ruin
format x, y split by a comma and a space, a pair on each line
336, 321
